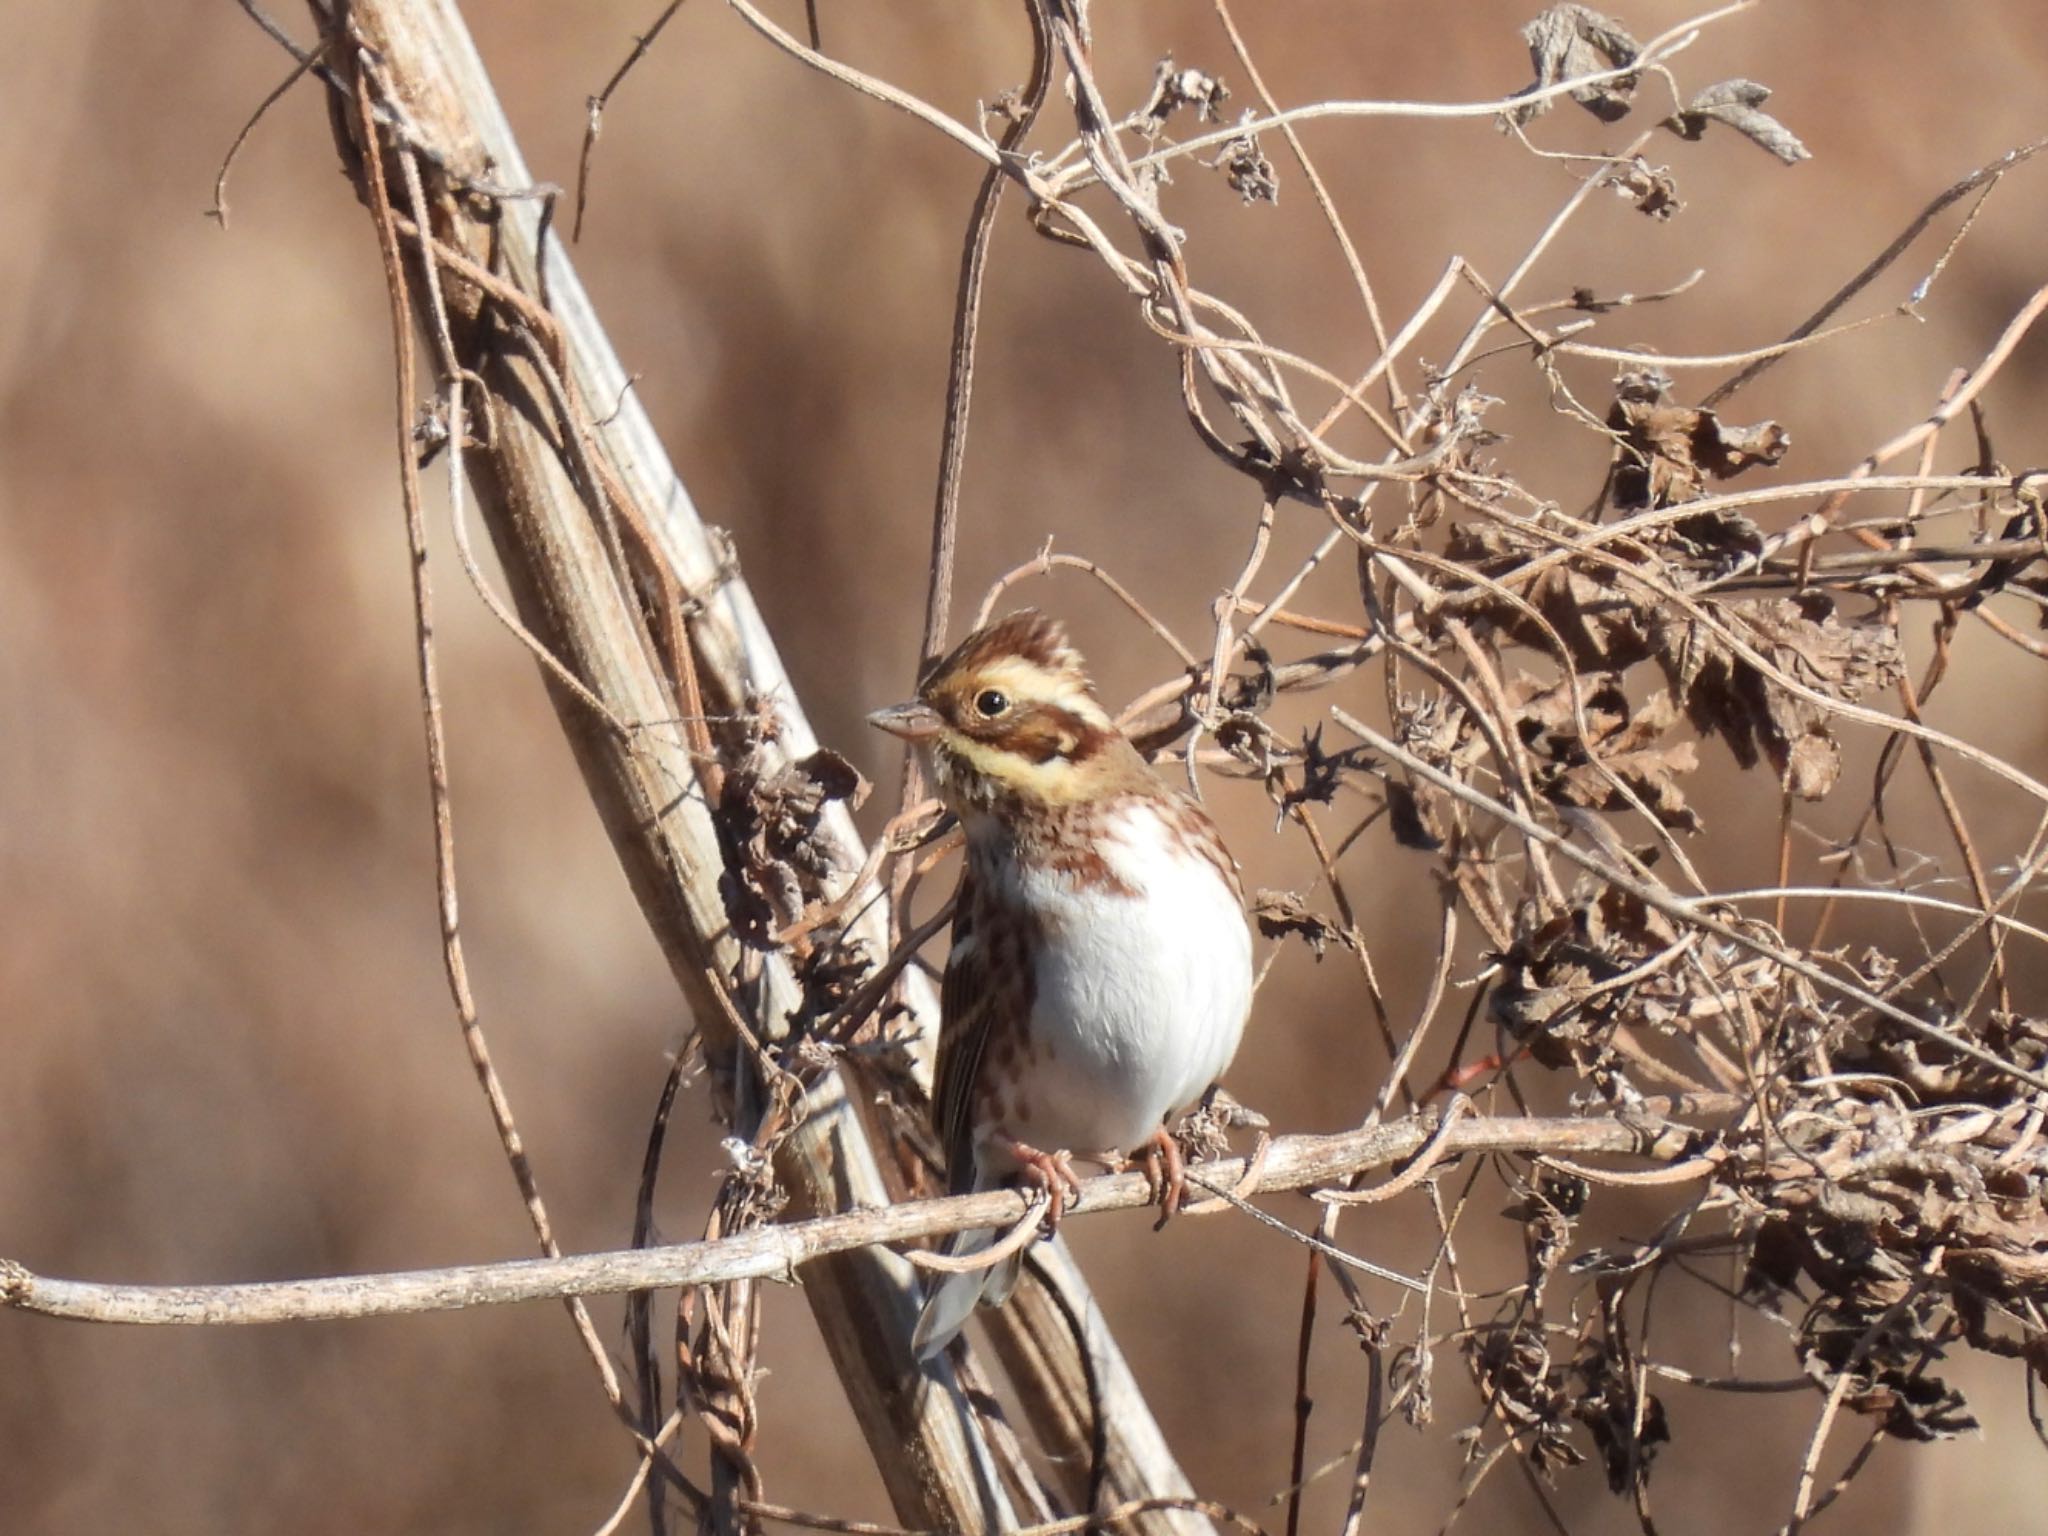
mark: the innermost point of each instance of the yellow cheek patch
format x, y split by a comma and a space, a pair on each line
1054, 781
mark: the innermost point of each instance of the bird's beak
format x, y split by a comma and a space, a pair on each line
915, 721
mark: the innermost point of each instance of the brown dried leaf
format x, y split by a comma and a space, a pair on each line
1813, 763
1603, 627
1725, 695
1527, 1390
1628, 742
1667, 451
1547, 977
1728, 535
1491, 548
834, 777
1173, 89
790, 801
1405, 814
1626, 1428
771, 831
1652, 774
1246, 168
1628, 923
1572, 40
1736, 103
1652, 188
1280, 913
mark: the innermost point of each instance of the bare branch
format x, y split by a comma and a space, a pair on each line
779, 1252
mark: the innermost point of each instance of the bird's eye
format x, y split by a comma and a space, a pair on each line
991, 702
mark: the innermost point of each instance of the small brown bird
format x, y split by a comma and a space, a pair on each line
1101, 967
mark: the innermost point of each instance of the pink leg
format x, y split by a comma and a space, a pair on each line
1166, 1171
1052, 1172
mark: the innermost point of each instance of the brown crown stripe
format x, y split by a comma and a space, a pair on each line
1026, 633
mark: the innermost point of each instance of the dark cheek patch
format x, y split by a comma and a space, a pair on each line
1079, 739
1036, 741
1036, 733
1089, 740
1051, 732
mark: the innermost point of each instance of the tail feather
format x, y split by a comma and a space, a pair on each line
953, 1300
1002, 1279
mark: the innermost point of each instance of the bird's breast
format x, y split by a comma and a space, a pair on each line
1143, 977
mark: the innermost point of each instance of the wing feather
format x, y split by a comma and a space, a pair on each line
971, 1001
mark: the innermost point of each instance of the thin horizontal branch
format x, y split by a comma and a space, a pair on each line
1654, 53
777, 1252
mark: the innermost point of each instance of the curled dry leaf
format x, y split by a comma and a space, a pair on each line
1605, 625
1281, 913
1938, 1075
829, 971
1721, 536
1738, 105
1246, 168
1652, 188
1726, 695
1568, 41
770, 821
1884, 1357
1626, 1426
1173, 89
1628, 742
1511, 1364
792, 800
1665, 452
1414, 826
1546, 996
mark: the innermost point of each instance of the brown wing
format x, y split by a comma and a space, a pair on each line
971, 1000
1200, 831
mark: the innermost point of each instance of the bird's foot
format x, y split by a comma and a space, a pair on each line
1050, 1172
1166, 1171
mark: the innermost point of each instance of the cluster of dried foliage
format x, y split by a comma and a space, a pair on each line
1848, 1143
1861, 1133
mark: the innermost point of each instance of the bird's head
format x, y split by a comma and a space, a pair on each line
1010, 718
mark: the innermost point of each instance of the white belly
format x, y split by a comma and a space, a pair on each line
1140, 1000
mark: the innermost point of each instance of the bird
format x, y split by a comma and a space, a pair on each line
1100, 974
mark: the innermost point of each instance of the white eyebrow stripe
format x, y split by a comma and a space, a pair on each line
1026, 681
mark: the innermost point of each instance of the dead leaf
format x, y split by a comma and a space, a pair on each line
1246, 168
1603, 627
1651, 773
1568, 41
1405, 815
1652, 187
1736, 104
1280, 913
771, 829
1173, 89
1667, 452
1726, 695
1626, 742
1726, 535
1813, 763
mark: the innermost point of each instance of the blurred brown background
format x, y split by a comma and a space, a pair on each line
228, 1051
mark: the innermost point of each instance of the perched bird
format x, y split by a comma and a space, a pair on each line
1101, 967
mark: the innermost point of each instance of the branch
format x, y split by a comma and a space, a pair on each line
633, 603
777, 1252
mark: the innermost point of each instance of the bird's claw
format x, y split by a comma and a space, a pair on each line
1051, 1173
1166, 1171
